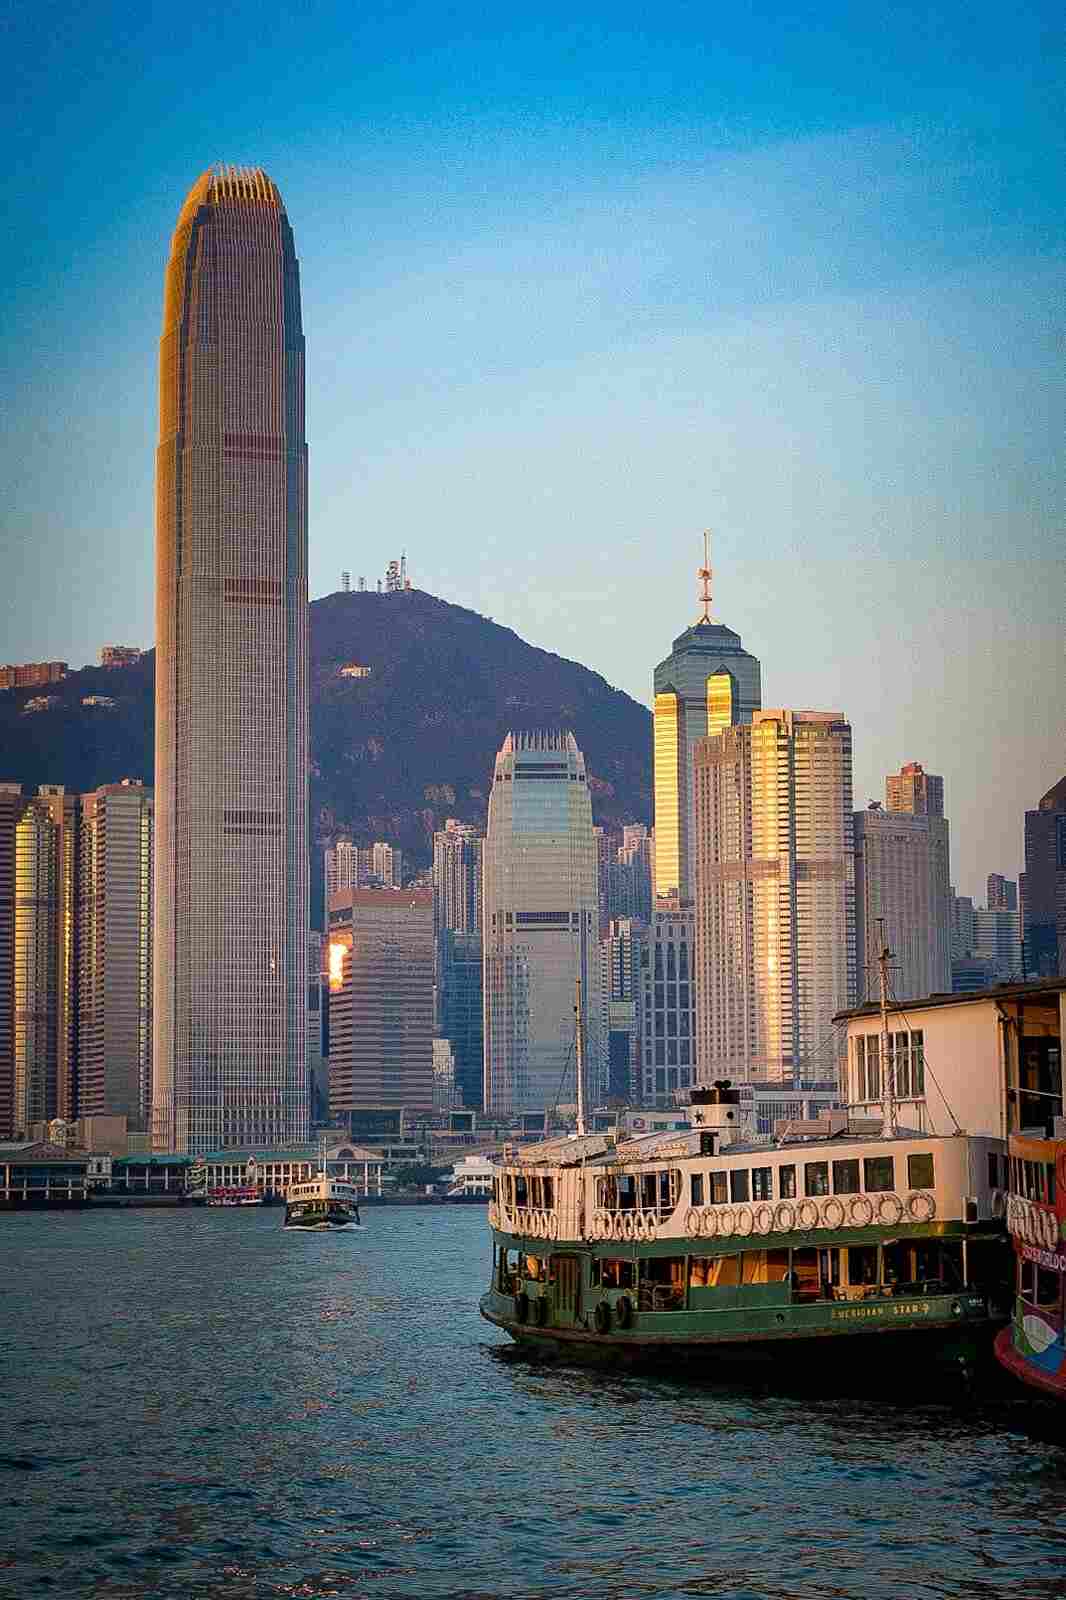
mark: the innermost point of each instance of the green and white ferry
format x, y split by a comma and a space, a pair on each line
852, 1240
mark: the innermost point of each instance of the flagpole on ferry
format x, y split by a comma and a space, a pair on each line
579, 1052
889, 1125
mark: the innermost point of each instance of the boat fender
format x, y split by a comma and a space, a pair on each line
623, 1310
832, 1213
651, 1227
540, 1310
861, 1211
785, 1216
708, 1222
922, 1207
602, 1316
808, 1215
521, 1306
889, 1209
745, 1221
692, 1223
726, 1220
764, 1218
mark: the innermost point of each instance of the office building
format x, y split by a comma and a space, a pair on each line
708, 682
903, 895
541, 923
998, 941
317, 1063
114, 953
231, 870
775, 895
912, 790
386, 865
1043, 886
460, 1010
963, 925
380, 964
1002, 894
625, 957
666, 1003
457, 849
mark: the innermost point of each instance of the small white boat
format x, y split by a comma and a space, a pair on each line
322, 1204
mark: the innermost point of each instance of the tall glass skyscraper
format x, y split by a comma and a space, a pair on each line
231, 883
708, 682
541, 926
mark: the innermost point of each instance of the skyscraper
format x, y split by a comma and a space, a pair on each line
231, 884
541, 925
707, 682
901, 875
914, 790
1043, 885
1002, 893
457, 851
775, 895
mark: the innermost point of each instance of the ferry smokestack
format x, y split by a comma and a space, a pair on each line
714, 1110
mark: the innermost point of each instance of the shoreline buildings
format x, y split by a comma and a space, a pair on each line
231, 871
541, 926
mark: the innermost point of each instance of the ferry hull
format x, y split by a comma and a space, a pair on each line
1047, 1379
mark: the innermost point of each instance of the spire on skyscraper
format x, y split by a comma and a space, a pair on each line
704, 575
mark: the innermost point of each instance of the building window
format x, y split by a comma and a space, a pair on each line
879, 1173
920, 1171
762, 1183
786, 1182
738, 1186
845, 1177
816, 1178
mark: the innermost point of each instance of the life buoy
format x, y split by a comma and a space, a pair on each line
764, 1218
540, 1310
639, 1226
785, 1216
860, 1211
651, 1227
623, 1310
726, 1221
629, 1225
808, 1215
617, 1226
692, 1223
602, 1316
553, 1226
833, 1213
521, 1306
922, 1206
708, 1223
1051, 1230
889, 1209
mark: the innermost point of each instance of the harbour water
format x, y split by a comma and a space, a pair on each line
201, 1404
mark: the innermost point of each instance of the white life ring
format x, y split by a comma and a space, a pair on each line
629, 1226
889, 1209
1051, 1230
692, 1222
553, 1226
616, 1226
726, 1221
833, 1212
708, 1222
808, 1215
861, 1211
640, 1225
745, 1221
922, 1206
763, 1218
651, 1226
785, 1216
538, 1225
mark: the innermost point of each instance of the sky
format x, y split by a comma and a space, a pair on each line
578, 284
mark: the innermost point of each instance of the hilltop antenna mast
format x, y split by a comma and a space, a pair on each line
704, 575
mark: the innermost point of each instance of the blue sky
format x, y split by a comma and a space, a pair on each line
574, 288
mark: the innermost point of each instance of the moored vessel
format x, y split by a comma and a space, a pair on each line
322, 1204
1032, 1347
246, 1194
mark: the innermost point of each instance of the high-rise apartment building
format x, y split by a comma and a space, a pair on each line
903, 893
541, 923
317, 1065
114, 952
386, 864
231, 876
708, 682
1043, 886
1002, 893
666, 1000
963, 925
998, 940
28, 674
381, 960
624, 955
775, 895
913, 790
457, 850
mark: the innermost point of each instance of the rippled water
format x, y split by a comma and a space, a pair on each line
200, 1404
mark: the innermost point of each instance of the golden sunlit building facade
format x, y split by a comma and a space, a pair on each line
231, 877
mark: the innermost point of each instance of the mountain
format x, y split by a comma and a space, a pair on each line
392, 753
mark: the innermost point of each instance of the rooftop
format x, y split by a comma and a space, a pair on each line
996, 991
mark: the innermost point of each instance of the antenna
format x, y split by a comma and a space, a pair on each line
704, 575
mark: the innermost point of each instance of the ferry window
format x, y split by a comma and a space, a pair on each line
521, 1192
627, 1192
860, 1066
548, 1185
738, 1185
993, 1170
669, 1189
845, 1177
1047, 1289
647, 1191
816, 1178
902, 1065
1027, 1281
871, 1088
533, 1269
862, 1264
618, 1274
920, 1171
714, 1272
1049, 1175
719, 1188
697, 1188
786, 1182
880, 1174
764, 1266
762, 1187
594, 1272
917, 1063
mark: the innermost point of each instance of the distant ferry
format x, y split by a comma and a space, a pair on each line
322, 1203
1032, 1347
238, 1195
703, 1250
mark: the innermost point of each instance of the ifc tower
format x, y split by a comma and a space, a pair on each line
231, 753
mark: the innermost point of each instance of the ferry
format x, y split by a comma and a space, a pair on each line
246, 1194
1032, 1347
702, 1249
323, 1204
